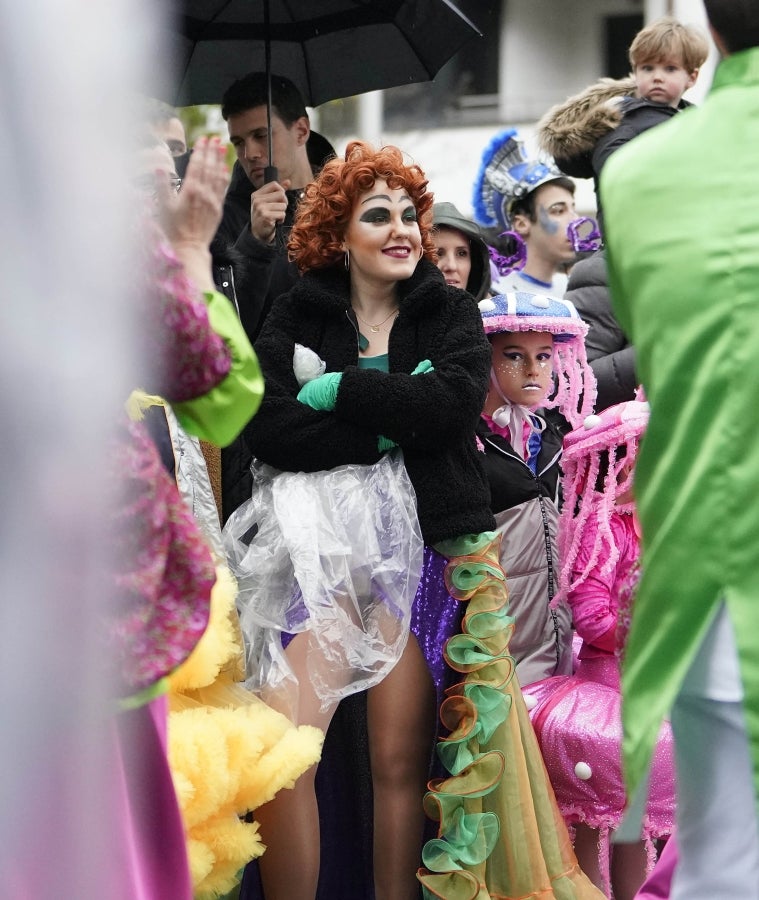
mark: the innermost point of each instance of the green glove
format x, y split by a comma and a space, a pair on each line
384, 444
321, 392
424, 366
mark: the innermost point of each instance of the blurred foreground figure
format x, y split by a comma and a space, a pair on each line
66, 338
687, 295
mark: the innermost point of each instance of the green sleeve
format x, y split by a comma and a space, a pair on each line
221, 414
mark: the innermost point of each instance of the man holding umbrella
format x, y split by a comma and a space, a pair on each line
258, 214
251, 219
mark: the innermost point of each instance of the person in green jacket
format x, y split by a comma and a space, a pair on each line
682, 231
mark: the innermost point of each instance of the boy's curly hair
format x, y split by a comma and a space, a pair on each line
325, 210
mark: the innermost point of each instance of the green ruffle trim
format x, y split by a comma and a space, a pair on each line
472, 712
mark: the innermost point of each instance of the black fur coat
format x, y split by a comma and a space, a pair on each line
432, 416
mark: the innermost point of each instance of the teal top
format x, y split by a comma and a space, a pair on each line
374, 362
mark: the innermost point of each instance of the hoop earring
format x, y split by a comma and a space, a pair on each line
347, 260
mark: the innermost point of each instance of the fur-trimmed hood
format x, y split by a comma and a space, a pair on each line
572, 128
583, 131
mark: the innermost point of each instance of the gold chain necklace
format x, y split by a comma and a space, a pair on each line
375, 328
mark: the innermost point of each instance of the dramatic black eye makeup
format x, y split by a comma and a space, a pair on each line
376, 214
382, 213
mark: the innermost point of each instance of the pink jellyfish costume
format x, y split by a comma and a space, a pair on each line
577, 718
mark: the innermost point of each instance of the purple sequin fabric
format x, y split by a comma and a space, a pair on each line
435, 616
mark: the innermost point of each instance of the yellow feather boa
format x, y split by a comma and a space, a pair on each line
229, 752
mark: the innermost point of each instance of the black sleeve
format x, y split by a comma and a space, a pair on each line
615, 374
578, 166
633, 123
429, 410
253, 282
289, 434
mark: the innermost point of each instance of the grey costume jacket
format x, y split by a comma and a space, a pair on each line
526, 513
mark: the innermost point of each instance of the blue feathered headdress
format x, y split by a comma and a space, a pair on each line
506, 174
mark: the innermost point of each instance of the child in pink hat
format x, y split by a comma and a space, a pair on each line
539, 362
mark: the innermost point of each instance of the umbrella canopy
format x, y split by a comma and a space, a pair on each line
328, 48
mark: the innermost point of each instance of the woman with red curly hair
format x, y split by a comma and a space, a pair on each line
400, 372
405, 366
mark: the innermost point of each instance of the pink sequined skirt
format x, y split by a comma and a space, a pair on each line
578, 724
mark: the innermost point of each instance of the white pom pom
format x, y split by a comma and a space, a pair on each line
486, 304
307, 365
592, 421
530, 702
583, 771
541, 302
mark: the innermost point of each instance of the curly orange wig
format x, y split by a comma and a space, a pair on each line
325, 210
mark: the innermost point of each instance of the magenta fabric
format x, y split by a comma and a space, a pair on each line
595, 603
150, 845
577, 718
659, 883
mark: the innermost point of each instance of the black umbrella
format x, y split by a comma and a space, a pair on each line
328, 48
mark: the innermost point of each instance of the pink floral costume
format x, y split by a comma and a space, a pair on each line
161, 568
577, 718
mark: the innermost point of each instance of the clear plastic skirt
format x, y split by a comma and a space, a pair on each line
336, 555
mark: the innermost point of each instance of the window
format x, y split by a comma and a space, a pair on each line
619, 32
468, 82
466, 86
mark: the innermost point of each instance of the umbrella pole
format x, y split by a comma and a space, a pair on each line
270, 171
